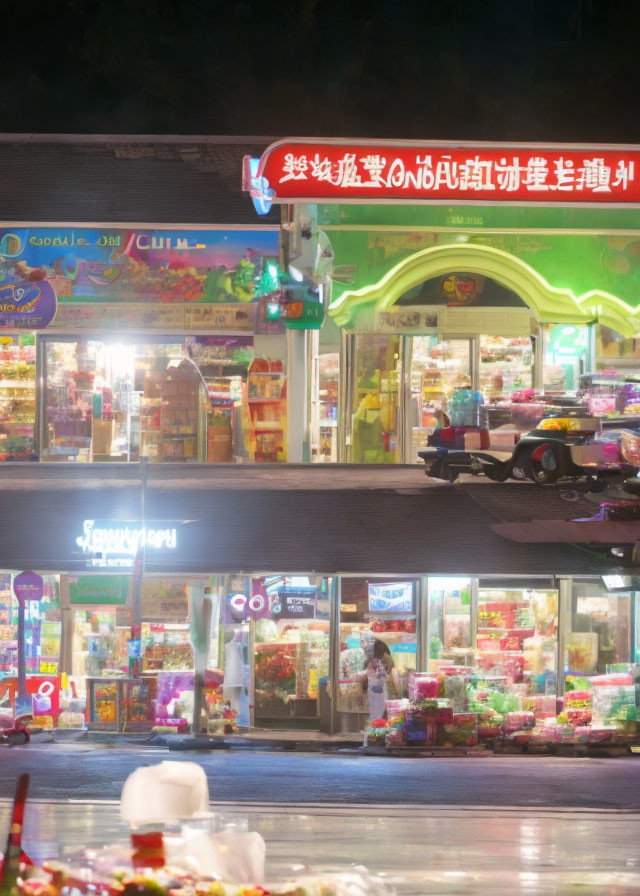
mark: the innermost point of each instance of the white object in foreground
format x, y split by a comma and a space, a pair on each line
164, 793
237, 856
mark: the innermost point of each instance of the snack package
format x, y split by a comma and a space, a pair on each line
462, 732
455, 690
422, 686
518, 721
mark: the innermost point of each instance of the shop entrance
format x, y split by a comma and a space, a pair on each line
402, 387
166, 398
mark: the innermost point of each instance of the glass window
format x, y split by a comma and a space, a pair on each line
118, 401
517, 639
614, 350
376, 399
17, 397
42, 625
437, 370
329, 373
450, 640
564, 356
601, 629
291, 659
506, 365
378, 643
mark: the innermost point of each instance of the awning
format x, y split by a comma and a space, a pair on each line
291, 519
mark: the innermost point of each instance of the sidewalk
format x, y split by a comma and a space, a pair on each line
254, 738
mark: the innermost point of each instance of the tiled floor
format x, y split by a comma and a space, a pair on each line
484, 852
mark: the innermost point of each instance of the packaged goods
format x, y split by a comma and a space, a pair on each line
436, 710
394, 737
395, 707
582, 652
540, 704
611, 679
463, 731
455, 690
422, 686
518, 721
415, 727
376, 733
613, 705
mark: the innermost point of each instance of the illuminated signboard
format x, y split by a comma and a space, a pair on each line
116, 542
357, 171
29, 306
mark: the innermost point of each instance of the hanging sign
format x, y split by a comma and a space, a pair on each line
98, 590
258, 606
297, 603
164, 599
413, 321
28, 306
28, 586
386, 171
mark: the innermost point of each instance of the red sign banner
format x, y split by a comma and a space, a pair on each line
300, 171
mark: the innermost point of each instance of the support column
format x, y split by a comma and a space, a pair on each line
334, 649
66, 629
422, 624
297, 397
592, 347
564, 625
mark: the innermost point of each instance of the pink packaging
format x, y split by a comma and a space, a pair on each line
616, 679
422, 686
394, 707
517, 721
541, 704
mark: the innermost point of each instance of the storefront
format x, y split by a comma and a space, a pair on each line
491, 647
506, 271
158, 344
499, 627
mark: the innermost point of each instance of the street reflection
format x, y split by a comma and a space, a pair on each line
419, 850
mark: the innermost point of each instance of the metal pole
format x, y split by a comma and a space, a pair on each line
345, 396
334, 649
66, 636
564, 626
473, 621
138, 574
422, 624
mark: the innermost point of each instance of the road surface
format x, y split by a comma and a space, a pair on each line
421, 851
88, 771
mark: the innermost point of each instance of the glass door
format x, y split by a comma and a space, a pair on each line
375, 409
436, 369
291, 651
105, 400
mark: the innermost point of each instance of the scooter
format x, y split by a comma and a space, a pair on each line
15, 732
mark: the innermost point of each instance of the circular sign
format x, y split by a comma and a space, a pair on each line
28, 586
27, 305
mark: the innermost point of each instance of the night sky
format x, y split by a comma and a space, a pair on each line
474, 69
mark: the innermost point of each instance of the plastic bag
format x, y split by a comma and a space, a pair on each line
236, 856
164, 793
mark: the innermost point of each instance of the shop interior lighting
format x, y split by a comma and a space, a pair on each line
296, 274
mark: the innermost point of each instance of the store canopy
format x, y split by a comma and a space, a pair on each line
562, 278
229, 519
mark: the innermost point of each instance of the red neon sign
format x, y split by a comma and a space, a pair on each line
301, 171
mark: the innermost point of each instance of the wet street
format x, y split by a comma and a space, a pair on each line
495, 826
92, 771
421, 851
